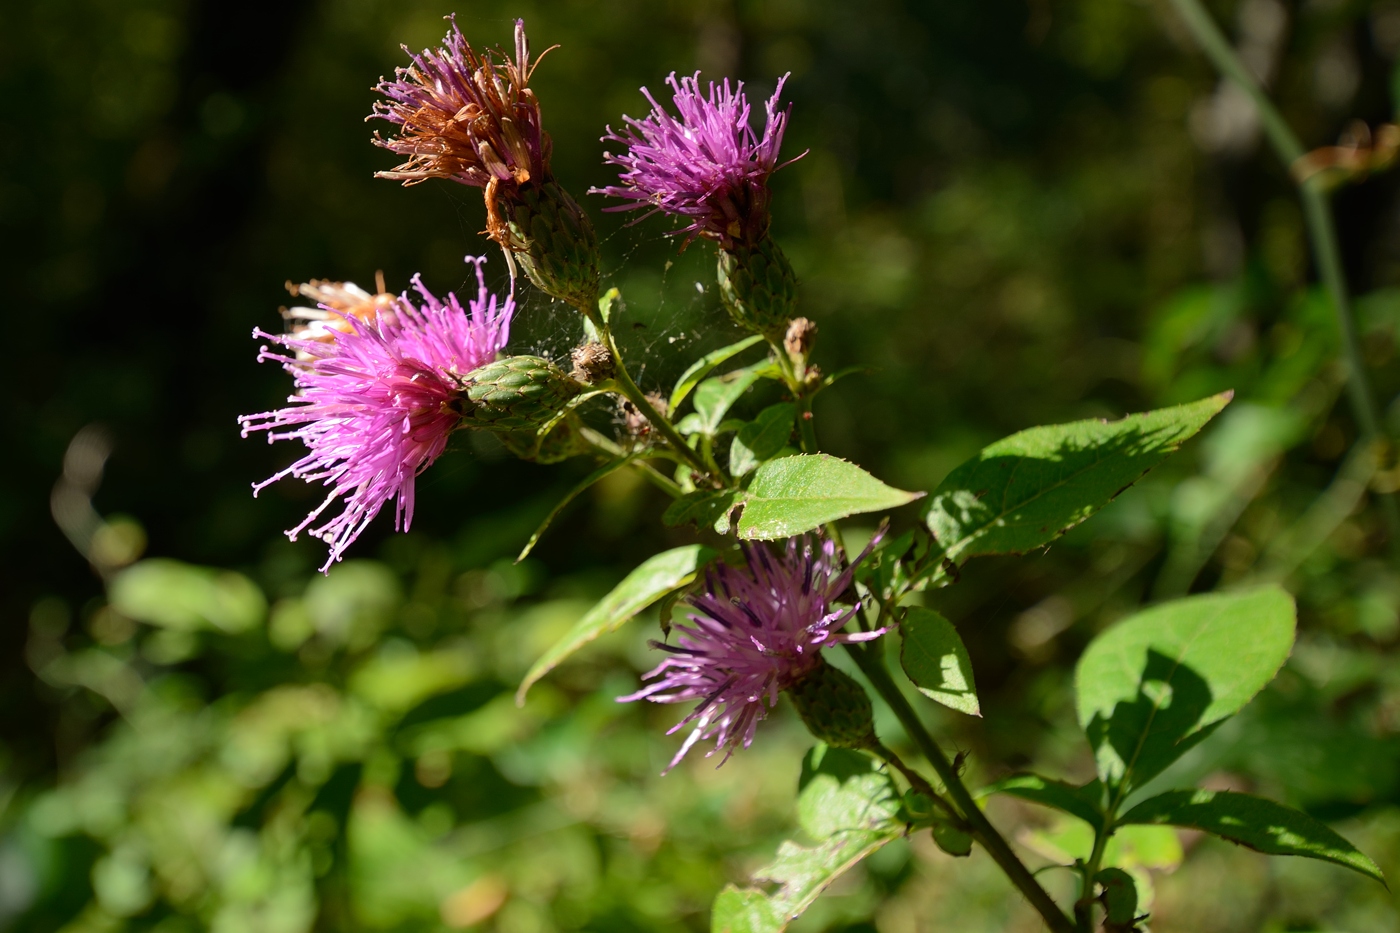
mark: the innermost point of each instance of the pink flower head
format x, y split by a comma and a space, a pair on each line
754, 633
709, 166
376, 400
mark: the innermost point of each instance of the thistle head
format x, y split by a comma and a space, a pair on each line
708, 166
468, 117
754, 632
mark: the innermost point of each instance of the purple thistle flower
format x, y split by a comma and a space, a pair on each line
377, 397
467, 117
755, 632
709, 166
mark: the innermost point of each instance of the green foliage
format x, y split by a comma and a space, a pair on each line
653, 579
795, 494
714, 397
701, 368
762, 438
185, 598
850, 809
1251, 821
1155, 685
936, 660
1026, 490
1085, 802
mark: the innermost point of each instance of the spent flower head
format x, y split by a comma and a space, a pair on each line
467, 117
753, 632
376, 400
708, 166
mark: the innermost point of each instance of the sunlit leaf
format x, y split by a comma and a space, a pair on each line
846, 804
1025, 490
795, 494
1154, 685
1260, 824
701, 367
656, 577
934, 657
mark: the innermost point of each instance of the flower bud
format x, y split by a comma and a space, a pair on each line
516, 393
758, 287
553, 240
834, 707
593, 363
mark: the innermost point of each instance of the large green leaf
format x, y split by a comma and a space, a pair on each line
934, 657
701, 367
795, 494
762, 438
656, 577
1255, 822
1027, 489
1085, 802
845, 804
1154, 685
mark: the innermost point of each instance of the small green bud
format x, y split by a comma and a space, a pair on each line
1119, 900
834, 707
554, 242
518, 392
758, 287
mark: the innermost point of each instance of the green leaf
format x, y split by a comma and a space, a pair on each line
936, 660
1027, 489
1120, 898
1153, 686
1085, 802
707, 508
845, 803
795, 494
951, 839
762, 438
714, 397
745, 911
701, 367
657, 576
187, 598
1260, 824
610, 467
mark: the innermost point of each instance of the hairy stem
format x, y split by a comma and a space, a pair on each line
979, 826
1084, 907
1317, 215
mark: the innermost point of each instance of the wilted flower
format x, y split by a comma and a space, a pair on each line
376, 401
754, 632
708, 166
467, 117
335, 304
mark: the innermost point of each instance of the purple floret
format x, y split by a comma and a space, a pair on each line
708, 167
754, 632
376, 399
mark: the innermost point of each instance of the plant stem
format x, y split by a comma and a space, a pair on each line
607, 446
980, 827
1317, 215
636, 397
1084, 907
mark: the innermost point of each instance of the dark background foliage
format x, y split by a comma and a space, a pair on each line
1014, 211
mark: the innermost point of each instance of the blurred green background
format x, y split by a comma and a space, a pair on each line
1014, 211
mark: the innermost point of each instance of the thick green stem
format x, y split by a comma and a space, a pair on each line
1317, 215
636, 397
980, 827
